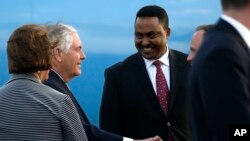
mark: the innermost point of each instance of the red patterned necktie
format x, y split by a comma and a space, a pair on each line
162, 90
161, 87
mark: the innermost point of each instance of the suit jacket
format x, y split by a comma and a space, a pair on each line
93, 133
129, 104
219, 84
32, 111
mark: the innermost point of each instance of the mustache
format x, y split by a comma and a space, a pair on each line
147, 46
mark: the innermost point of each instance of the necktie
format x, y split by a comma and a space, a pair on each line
161, 87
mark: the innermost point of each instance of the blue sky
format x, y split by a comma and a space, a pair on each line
107, 26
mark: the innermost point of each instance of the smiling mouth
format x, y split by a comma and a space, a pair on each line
79, 65
147, 49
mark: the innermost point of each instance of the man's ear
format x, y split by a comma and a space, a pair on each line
168, 31
57, 53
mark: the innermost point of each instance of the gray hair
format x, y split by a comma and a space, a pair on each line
62, 34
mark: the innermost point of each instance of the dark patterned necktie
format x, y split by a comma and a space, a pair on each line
161, 87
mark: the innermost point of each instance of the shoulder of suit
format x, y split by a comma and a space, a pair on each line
178, 55
125, 63
51, 91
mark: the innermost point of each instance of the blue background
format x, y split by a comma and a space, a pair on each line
106, 28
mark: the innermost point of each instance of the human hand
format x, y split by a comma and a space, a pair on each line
155, 138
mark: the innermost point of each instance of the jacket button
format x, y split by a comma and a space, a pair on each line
168, 124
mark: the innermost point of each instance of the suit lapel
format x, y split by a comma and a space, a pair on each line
58, 83
173, 69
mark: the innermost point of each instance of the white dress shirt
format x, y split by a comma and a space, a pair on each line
152, 69
242, 29
127, 139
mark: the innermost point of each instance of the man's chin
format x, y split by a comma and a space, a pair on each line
78, 73
148, 56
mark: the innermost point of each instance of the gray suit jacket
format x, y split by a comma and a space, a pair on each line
32, 111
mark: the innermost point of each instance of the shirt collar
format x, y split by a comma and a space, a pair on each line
242, 29
28, 76
164, 59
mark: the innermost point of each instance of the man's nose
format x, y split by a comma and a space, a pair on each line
83, 55
145, 41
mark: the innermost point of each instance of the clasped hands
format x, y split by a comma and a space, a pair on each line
155, 138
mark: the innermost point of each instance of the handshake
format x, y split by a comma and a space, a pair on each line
155, 138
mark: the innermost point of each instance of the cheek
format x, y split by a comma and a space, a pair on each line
163, 41
137, 41
137, 44
74, 57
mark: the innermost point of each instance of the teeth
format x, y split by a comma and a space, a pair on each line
147, 49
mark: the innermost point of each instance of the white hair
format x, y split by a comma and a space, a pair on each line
62, 34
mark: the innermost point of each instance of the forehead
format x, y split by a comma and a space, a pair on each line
76, 40
76, 37
198, 35
147, 24
197, 39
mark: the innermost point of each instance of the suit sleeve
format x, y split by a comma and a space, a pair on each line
97, 134
110, 106
225, 90
71, 123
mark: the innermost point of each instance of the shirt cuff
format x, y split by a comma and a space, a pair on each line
127, 139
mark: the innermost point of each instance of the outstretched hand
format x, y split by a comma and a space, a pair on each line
155, 138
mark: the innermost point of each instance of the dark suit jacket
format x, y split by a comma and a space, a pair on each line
93, 133
129, 104
220, 84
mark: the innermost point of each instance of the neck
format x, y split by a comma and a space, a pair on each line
62, 75
37, 75
241, 15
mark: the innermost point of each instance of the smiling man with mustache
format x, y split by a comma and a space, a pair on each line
130, 105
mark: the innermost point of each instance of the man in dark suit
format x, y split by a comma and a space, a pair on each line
130, 105
219, 85
67, 58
